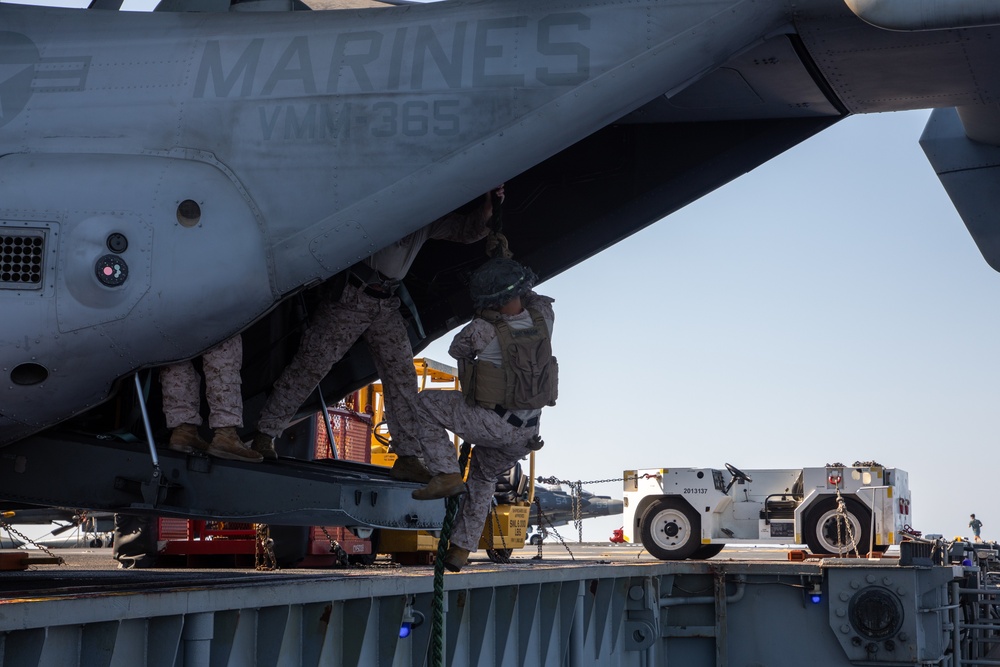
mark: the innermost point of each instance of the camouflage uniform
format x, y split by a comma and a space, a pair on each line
498, 443
336, 325
182, 388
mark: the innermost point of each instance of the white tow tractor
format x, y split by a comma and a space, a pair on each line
680, 513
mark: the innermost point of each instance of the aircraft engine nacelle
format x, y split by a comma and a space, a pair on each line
93, 287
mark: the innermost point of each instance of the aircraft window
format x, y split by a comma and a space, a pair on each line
28, 374
188, 213
21, 261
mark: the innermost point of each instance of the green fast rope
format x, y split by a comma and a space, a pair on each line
437, 604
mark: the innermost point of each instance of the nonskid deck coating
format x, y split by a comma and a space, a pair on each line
93, 571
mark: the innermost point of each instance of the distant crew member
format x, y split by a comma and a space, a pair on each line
508, 374
182, 401
368, 308
975, 524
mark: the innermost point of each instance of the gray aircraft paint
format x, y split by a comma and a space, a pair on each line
425, 94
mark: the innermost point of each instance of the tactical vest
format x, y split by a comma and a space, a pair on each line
529, 376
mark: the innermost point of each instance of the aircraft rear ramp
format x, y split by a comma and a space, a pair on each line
287, 492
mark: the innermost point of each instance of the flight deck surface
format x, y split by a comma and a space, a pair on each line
94, 571
604, 605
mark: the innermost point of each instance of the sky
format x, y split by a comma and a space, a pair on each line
828, 306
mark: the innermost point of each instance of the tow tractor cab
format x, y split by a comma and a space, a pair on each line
679, 513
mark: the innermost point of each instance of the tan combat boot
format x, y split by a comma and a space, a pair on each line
441, 486
410, 469
456, 558
185, 439
227, 445
263, 444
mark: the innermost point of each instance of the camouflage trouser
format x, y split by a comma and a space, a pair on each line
182, 388
334, 328
498, 446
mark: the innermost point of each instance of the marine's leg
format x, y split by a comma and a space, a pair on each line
223, 383
498, 447
443, 410
181, 388
393, 356
487, 465
448, 410
335, 326
223, 386
440, 412
181, 394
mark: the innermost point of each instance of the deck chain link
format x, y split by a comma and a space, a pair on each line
336, 549
264, 559
13, 531
501, 556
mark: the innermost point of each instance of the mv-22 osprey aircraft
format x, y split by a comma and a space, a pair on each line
171, 178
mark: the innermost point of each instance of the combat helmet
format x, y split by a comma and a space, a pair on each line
498, 281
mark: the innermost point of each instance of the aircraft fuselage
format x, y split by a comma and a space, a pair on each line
166, 179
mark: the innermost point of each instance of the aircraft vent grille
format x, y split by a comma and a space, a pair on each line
21, 259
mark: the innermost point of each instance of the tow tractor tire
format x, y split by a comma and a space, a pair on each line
670, 529
367, 559
826, 531
707, 551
